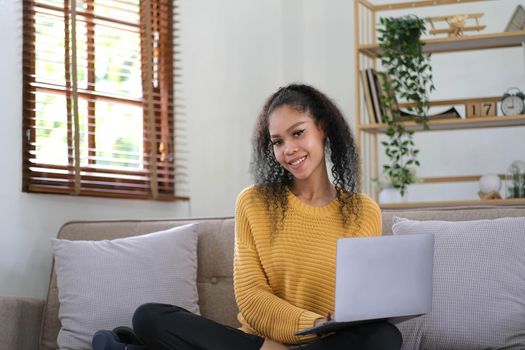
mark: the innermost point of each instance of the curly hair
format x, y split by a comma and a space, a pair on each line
272, 180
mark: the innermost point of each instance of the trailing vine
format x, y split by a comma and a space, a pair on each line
406, 76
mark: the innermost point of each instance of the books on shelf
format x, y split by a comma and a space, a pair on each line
376, 94
517, 21
372, 95
373, 86
368, 97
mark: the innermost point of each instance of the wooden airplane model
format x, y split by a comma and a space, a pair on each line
456, 24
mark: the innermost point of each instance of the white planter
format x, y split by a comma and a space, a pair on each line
392, 195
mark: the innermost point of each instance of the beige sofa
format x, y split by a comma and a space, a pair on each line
29, 324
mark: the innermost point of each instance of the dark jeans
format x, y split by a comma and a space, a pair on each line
168, 327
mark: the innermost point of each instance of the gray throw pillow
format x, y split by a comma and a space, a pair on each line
101, 283
479, 285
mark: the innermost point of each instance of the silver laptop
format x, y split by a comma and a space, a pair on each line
378, 278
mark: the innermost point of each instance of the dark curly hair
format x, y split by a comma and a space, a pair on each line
272, 180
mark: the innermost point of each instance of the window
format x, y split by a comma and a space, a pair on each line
98, 98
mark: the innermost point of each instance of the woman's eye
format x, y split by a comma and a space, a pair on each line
276, 142
298, 133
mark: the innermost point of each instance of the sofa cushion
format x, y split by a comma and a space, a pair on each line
101, 283
479, 283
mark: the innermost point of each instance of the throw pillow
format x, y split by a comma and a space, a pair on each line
101, 283
479, 285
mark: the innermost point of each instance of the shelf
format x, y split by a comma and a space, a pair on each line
454, 124
519, 202
412, 4
454, 102
463, 43
449, 179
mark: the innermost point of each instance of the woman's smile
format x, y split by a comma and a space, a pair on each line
297, 162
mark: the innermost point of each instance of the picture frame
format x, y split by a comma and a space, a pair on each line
517, 21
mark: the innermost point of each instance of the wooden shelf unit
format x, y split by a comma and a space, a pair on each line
366, 54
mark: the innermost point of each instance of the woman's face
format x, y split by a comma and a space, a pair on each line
298, 143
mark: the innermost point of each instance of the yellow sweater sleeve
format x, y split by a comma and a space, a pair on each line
260, 308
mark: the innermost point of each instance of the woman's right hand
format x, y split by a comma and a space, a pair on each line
271, 345
320, 321
323, 320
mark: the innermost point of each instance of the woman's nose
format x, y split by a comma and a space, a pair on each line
290, 148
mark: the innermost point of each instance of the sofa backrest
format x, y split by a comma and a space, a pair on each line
450, 214
215, 255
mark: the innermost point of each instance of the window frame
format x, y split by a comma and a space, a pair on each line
157, 180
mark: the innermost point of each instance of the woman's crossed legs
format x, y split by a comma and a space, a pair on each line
168, 327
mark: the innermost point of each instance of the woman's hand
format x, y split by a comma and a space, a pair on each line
320, 321
271, 345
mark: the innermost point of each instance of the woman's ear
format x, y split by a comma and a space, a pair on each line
321, 126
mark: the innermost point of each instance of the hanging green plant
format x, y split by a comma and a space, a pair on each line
407, 76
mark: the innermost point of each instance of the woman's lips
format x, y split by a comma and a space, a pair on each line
296, 163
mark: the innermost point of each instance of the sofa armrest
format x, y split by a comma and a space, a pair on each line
20, 320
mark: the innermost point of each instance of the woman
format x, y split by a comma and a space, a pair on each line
287, 225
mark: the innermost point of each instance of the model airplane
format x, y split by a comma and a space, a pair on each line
456, 24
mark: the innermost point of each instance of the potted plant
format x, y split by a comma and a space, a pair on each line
389, 189
406, 75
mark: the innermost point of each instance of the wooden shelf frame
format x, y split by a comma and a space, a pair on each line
460, 44
448, 179
454, 124
456, 101
411, 4
518, 202
367, 135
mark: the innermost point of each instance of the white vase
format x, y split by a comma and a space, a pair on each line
392, 195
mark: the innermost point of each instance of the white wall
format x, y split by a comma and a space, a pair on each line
231, 62
328, 31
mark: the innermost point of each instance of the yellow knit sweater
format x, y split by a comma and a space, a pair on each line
285, 281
